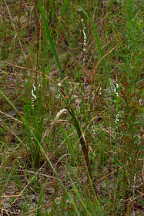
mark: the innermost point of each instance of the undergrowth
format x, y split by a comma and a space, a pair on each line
71, 116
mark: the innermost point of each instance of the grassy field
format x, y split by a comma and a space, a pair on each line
72, 108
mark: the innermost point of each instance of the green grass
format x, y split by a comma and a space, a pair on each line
71, 115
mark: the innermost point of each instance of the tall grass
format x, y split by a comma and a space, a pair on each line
84, 125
